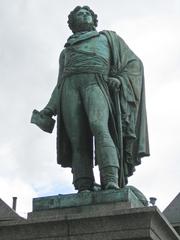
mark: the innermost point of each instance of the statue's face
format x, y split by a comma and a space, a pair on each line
84, 20
84, 17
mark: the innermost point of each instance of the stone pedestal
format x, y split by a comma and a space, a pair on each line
107, 220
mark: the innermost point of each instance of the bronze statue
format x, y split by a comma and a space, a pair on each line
99, 94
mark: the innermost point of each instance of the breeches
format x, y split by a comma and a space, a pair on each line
86, 114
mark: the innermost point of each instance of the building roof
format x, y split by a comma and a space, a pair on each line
7, 213
172, 211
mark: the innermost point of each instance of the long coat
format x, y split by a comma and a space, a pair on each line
128, 120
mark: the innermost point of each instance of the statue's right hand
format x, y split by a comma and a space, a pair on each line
47, 112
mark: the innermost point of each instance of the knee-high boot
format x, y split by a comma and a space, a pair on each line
109, 177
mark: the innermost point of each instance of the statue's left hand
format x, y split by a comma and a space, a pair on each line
114, 83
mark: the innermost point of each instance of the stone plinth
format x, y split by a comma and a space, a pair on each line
118, 220
128, 196
133, 224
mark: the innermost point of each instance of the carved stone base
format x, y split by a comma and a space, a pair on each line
118, 220
128, 196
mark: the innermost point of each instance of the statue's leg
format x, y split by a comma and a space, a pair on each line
76, 124
98, 114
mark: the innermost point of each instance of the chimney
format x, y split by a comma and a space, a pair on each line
153, 200
14, 203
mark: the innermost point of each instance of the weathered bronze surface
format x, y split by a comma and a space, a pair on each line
129, 195
99, 95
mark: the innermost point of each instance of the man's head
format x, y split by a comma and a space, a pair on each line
82, 19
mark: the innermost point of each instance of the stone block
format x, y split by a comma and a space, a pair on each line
87, 198
118, 220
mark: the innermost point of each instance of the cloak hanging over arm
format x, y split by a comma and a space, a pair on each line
131, 109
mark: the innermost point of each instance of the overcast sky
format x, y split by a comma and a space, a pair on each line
32, 35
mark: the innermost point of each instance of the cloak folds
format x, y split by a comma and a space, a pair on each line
128, 120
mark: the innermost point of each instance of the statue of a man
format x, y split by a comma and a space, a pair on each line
99, 95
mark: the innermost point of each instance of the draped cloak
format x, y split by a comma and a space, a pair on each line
127, 121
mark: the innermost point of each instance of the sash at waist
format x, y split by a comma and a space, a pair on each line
85, 69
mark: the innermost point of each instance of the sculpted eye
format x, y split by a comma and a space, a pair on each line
83, 13
80, 13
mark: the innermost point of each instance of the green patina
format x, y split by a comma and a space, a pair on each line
99, 95
126, 195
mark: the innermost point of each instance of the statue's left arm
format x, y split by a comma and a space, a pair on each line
132, 98
128, 69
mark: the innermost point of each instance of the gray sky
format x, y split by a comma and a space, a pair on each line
32, 35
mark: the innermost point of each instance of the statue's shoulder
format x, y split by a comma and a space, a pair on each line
62, 53
108, 32
61, 56
111, 35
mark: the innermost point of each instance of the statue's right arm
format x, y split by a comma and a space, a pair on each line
51, 107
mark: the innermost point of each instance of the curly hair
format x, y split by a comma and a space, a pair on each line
71, 18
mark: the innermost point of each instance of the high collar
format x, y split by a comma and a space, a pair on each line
80, 36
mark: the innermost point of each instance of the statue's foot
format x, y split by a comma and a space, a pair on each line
96, 187
111, 185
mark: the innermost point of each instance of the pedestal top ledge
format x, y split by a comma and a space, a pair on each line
129, 195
